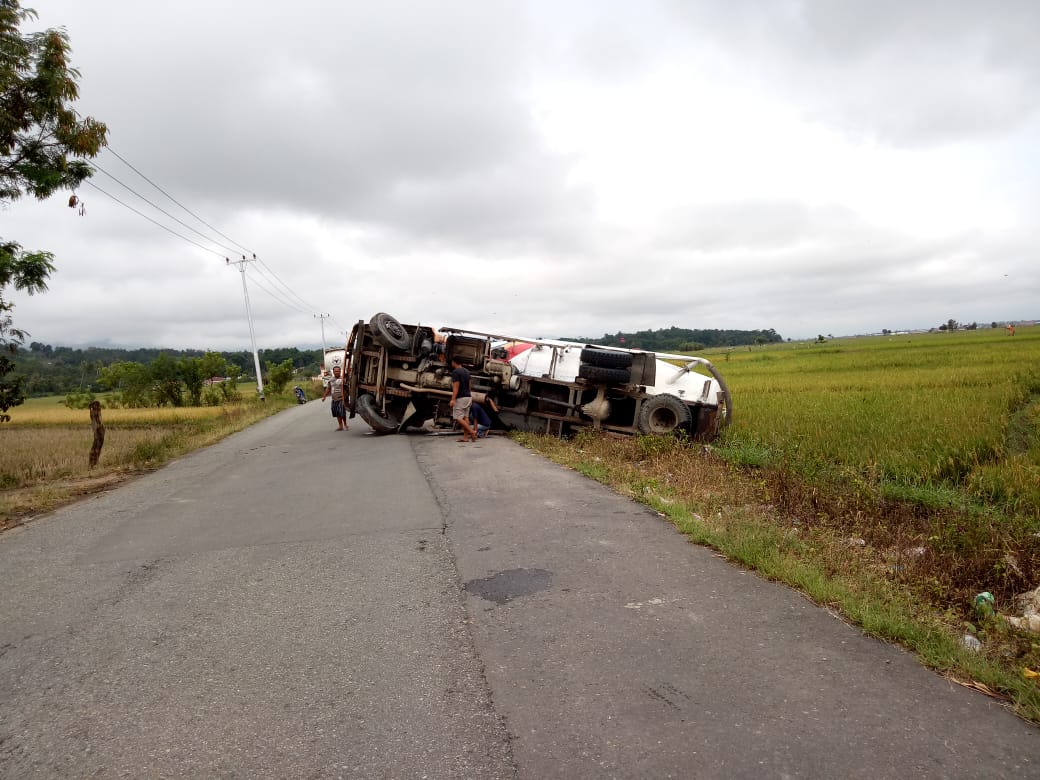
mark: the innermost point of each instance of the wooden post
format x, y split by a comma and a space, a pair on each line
99, 432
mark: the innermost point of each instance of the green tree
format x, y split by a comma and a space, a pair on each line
10, 389
195, 371
278, 376
229, 387
192, 374
131, 381
166, 380
41, 137
214, 365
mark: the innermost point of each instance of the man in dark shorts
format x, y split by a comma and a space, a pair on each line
461, 399
335, 389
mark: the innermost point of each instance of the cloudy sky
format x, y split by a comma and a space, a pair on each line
544, 169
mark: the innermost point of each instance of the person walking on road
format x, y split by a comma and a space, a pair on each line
335, 389
461, 399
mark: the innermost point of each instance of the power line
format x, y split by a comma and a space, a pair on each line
168, 195
279, 297
262, 267
160, 209
154, 222
285, 298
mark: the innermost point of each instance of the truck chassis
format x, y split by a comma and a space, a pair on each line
399, 377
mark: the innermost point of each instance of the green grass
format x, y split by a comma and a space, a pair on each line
944, 411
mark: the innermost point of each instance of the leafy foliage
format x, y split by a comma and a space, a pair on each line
39, 129
41, 140
10, 389
279, 375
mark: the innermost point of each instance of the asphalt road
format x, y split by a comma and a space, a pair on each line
298, 602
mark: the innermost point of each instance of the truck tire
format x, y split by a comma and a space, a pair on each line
606, 358
607, 376
663, 414
389, 332
370, 412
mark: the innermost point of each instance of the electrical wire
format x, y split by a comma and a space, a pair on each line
168, 195
278, 297
264, 269
274, 294
289, 298
160, 209
154, 222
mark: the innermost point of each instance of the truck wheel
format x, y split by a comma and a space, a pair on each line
608, 376
370, 412
606, 358
389, 332
661, 414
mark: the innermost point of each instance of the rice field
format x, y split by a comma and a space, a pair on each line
51, 411
936, 416
45, 448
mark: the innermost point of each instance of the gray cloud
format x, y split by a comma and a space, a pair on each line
905, 73
391, 157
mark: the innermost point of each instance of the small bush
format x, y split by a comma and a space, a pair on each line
748, 454
79, 400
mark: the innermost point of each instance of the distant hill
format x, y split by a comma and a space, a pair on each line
682, 339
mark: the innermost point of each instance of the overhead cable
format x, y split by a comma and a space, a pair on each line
289, 298
168, 195
160, 209
154, 222
265, 267
278, 297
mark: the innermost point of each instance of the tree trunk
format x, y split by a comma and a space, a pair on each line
99, 432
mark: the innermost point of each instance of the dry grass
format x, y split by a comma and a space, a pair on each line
44, 450
50, 411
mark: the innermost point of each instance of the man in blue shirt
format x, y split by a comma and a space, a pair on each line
479, 417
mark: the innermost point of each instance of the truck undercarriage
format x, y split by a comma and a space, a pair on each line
399, 377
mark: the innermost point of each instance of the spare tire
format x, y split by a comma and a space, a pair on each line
606, 358
609, 376
389, 332
370, 412
662, 414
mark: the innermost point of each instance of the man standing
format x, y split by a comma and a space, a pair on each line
461, 399
335, 389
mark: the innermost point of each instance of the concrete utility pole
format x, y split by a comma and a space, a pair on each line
249, 316
324, 346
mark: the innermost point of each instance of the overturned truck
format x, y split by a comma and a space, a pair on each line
399, 377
